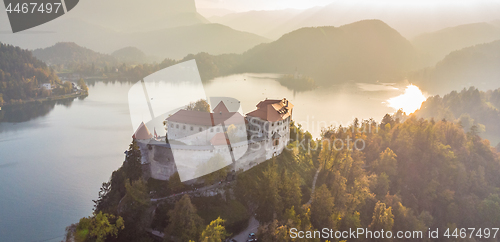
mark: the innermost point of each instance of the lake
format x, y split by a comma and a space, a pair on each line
53, 163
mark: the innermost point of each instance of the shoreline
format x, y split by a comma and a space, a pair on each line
46, 99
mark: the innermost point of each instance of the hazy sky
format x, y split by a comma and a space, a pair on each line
247, 5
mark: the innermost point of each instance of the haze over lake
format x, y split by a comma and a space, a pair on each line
51, 167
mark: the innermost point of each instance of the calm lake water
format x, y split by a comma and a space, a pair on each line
52, 166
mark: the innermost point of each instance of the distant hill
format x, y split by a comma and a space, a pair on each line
129, 16
166, 43
68, 52
21, 75
367, 51
472, 66
496, 23
132, 55
166, 29
213, 12
258, 22
181, 41
437, 45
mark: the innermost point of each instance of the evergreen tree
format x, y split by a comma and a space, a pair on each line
184, 222
132, 165
322, 209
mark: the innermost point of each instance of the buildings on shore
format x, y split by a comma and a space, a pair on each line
198, 143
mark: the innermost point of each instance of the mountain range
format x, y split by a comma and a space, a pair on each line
364, 51
436, 45
130, 16
410, 21
172, 29
472, 66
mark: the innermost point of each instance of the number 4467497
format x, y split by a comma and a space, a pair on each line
472, 232
33, 7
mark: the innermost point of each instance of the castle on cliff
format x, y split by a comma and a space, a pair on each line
198, 143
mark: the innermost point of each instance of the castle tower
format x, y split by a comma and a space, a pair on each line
142, 133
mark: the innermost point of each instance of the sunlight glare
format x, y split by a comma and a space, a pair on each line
409, 101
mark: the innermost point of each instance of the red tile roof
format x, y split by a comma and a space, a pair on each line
221, 108
273, 110
206, 119
142, 132
191, 117
228, 118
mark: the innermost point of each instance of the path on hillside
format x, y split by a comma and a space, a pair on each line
203, 189
314, 185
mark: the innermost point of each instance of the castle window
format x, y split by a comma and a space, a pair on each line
183, 126
177, 126
211, 130
191, 128
200, 129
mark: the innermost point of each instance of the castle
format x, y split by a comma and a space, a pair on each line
215, 140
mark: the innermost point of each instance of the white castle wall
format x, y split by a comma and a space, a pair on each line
247, 154
198, 134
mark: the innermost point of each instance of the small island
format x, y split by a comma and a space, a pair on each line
297, 82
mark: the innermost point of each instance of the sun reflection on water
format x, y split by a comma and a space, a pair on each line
409, 101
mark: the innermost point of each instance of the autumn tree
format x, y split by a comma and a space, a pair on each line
81, 83
386, 163
200, 106
214, 232
382, 218
97, 228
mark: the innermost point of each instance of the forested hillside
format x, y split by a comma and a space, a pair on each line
70, 56
132, 55
473, 109
21, 75
410, 174
364, 51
